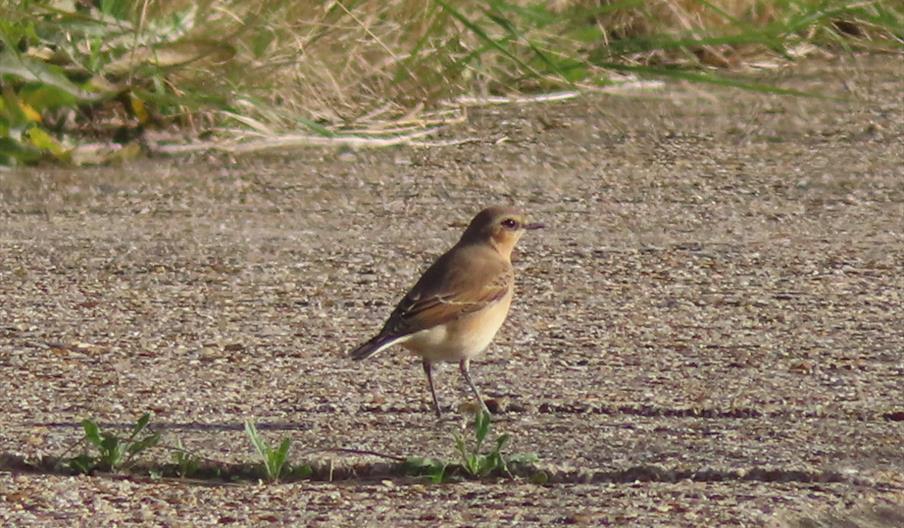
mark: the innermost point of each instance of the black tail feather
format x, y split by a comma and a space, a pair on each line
371, 347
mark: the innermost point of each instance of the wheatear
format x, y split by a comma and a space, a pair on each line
458, 305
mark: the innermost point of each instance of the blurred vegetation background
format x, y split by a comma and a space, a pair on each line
89, 81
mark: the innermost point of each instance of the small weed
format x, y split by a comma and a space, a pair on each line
187, 462
431, 468
274, 460
473, 461
299, 472
112, 451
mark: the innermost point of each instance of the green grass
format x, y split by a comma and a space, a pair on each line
84, 82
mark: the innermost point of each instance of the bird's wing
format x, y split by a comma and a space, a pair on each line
447, 292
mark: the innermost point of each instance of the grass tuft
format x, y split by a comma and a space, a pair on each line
113, 71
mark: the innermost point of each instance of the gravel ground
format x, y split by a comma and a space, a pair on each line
709, 333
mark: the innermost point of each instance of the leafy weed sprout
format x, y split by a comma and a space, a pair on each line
111, 451
473, 460
186, 461
108, 451
274, 460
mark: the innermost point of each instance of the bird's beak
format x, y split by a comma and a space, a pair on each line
535, 225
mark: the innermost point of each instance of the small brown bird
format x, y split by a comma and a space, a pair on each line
458, 305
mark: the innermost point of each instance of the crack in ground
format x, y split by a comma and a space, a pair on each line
646, 411
501, 411
330, 471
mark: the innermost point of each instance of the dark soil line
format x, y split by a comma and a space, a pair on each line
213, 473
646, 411
740, 413
180, 426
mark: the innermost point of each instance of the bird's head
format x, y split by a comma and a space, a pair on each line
499, 226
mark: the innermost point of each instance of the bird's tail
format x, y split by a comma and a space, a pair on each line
373, 346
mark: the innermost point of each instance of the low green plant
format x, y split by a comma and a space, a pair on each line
275, 461
473, 461
112, 452
186, 461
432, 468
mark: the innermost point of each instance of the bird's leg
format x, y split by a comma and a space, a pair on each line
463, 367
428, 370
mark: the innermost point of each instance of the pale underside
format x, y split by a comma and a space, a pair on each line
461, 338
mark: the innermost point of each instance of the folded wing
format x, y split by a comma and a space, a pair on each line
461, 290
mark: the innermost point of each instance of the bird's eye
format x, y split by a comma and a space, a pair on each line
510, 223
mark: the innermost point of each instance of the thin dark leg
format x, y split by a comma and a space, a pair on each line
463, 367
428, 370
